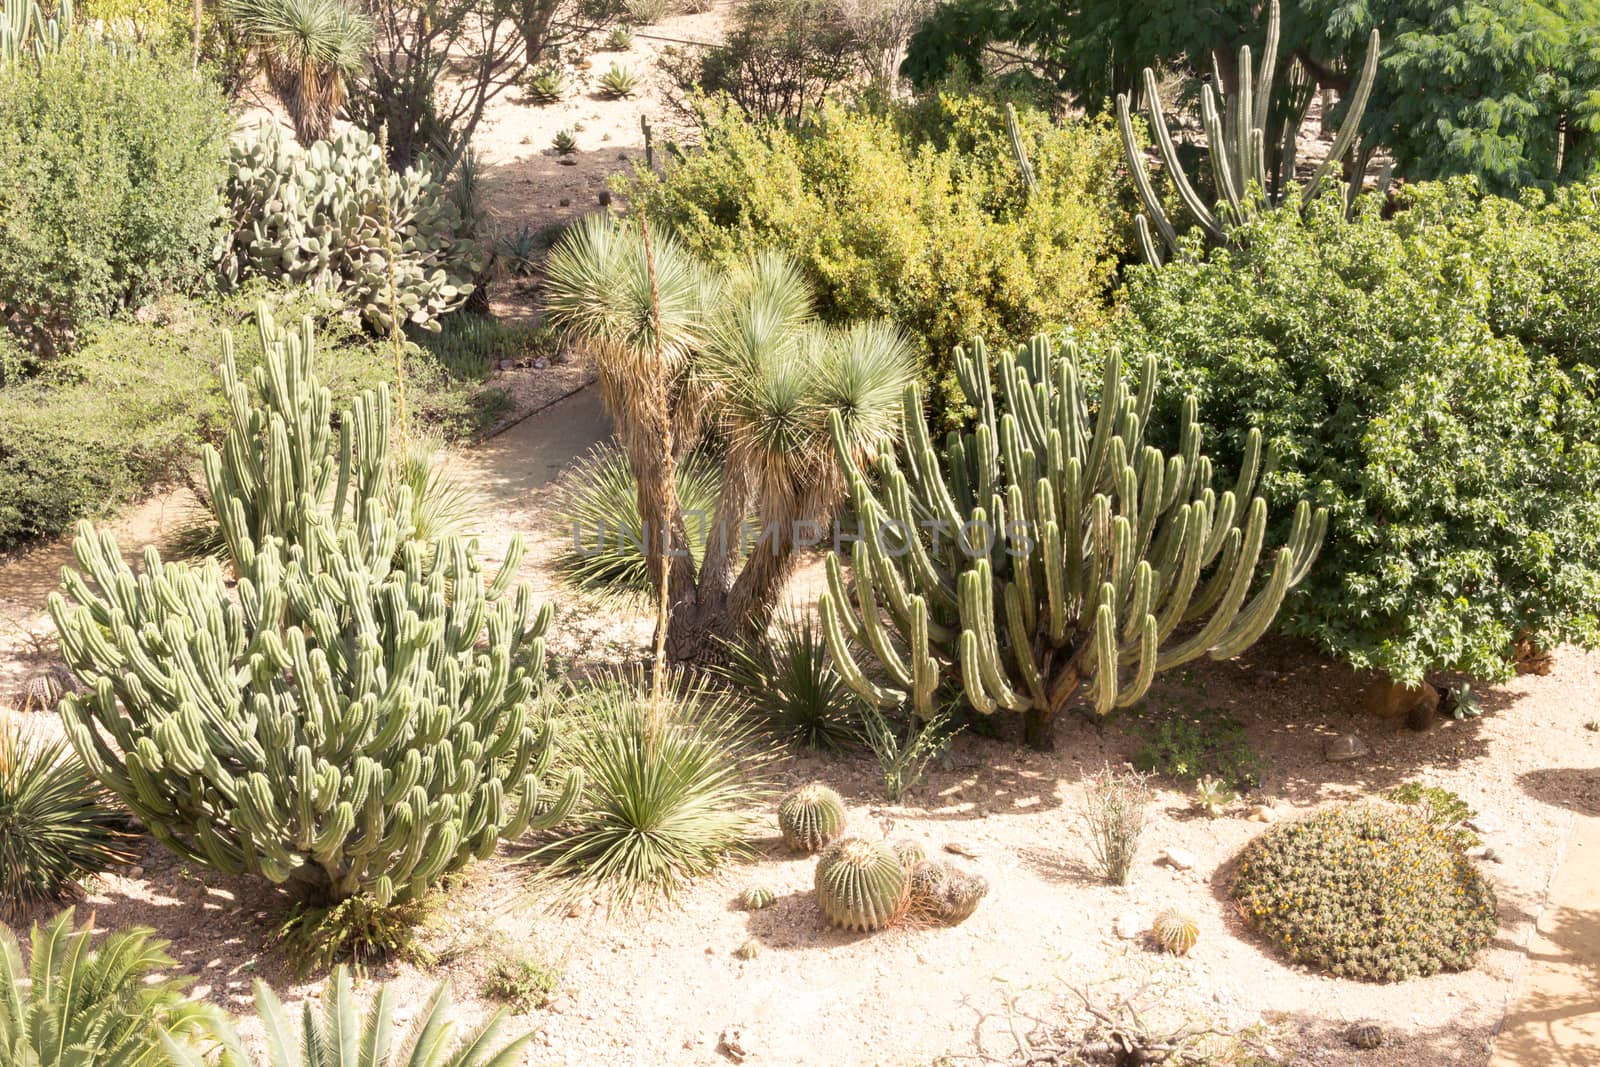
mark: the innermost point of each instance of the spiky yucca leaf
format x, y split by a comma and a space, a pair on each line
666, 794
81, 1006
310, 48
56, 822
332, 1033
792, 685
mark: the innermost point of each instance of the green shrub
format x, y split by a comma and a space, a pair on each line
665, 800
918, 216
55, 824
80, 1005
796, 693
524, 982
1366, 891
110, 165
128, 410
1430, 381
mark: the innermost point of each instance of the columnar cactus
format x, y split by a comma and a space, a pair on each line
860, 884
1238, 134
357, 718
810, 817
1050, 547
25, 31
316, 217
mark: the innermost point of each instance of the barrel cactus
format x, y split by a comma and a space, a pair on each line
860, 884
1050, 548
355, 718
810, 817
317, 217
757, 897
908, 851
1175, 931
943, 893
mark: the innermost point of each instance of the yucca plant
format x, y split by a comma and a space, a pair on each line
565, 143
309, 48
598, 508
56, 822
667, 796
792, 686
81, 1006
747, 362
547, 85
618, 82
333, 1034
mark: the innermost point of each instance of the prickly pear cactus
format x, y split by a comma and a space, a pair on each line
810, 817
860, 884
316, 217
1175, 932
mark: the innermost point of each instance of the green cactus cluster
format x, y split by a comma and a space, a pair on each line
810, 817
25, 31
357, 715
317, 217
1175, 931
1241, 130
860, 884
908, 851
1050, 547
943, 893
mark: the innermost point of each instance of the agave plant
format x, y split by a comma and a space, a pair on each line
789, 680
81, 1006
565, 142
335, 1035
56, 824
618, 82
746, 361
547, 85
620, 39
309, 49
666, 798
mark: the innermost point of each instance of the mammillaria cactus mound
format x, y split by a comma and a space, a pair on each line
860, 884
811, 817
945, 894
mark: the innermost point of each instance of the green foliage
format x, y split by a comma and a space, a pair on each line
79, 1004
1428, 380
469, 345
356, 930
918, 216
334, 1029
522, 982
1175, 932
317, 217
667, 797
620, 39
905, 750
1366, 891
1190, 741
309, 48
341, 726
860, 885
1077, 556
546, 85
56, 827
28, 34
109, 169
1211, 794
794, 690
1438, 807
597, 506
811, 817
618, 82
565, 142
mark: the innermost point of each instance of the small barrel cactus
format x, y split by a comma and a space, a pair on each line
749, 950
944, 893
909, 852
811, 817
757, 897
860, 884
1175, 932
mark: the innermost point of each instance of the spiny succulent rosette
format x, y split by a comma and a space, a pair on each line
1050, 548
860, 884
943, 893
357, 714
1367, 891
810, 817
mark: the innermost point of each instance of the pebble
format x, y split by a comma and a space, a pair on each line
1129, 925
734, 1045
135, 872
1261, 813
1343, 748
958, 848
1180, 858
541, 363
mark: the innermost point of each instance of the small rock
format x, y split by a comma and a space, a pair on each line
1180, 858
1344, 748
1129, 925
604, 198
1261, 813
567, 161
574, 912
1365, 1036
1387, 699
541, 363
135, 872
734, 1045
958, 848
564, 202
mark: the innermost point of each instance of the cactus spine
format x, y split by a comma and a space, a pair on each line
357, 719
811, 817
1239, 135
1175, 932
860, 884
1051, 548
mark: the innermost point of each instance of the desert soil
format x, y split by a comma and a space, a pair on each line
667, 988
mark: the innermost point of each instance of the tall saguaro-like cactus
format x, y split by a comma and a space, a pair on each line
1239, 133
25, 31
358, 719
1050, 548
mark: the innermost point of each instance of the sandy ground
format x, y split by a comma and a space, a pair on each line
666, 988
